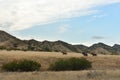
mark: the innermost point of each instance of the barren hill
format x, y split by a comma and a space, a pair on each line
101, 48
10, 42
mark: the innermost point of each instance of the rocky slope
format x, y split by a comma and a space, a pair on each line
10, 42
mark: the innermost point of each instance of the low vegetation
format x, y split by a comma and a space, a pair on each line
22, 65
71, 64
104, 67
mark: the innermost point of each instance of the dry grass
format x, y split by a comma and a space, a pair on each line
100, 62
45, 58
67, 75
105, 67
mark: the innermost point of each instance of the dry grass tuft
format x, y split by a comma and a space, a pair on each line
63, 75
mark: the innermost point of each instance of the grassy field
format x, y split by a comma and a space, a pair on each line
105, 67
66, 75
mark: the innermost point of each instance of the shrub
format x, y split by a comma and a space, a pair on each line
27, 65
59, 65
2, 47
71, 64
12, 66
23, 65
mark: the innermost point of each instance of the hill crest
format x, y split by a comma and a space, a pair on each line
10, 42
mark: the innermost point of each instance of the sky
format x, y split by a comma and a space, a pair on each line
74, 21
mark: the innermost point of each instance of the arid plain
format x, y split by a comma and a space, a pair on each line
104, 67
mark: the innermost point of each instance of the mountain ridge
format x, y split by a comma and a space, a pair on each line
10, 42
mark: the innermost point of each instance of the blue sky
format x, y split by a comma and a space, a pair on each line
97, 22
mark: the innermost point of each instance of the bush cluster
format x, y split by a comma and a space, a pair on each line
71, 64
22, 65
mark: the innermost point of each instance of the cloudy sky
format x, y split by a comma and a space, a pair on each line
74, 21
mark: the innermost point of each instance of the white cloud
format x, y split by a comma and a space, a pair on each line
23, 14
96, 17
99, 16
63, 28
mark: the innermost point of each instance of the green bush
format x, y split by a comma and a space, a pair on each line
71, 64
22, 65
27, 65
2, 47
12, 66
59, 65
